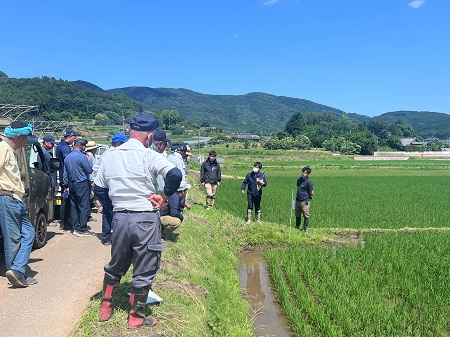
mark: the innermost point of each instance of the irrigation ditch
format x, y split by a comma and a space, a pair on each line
268, 319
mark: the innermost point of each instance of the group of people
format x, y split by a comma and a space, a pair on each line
254, 181
142, 191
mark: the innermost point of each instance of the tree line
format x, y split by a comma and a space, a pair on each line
305, 130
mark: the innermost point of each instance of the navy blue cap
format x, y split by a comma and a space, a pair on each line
143, 122
160, 135
174, 147
80, 142
118, 137
69, 132
49, 139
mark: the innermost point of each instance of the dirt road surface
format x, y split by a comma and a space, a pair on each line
69, 271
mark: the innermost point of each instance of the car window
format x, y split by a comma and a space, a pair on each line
35, 157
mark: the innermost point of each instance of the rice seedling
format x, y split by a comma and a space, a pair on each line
359, 199
396, 285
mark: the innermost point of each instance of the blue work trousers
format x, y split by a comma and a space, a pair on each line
107, 213
80, 205
107, 216
17, 232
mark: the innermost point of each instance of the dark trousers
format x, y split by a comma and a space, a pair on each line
80, 207
64, 213
254, 201
136, 239
107, 217
107, 213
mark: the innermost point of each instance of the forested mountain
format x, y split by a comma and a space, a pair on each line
89, 85
253, 112
424, 123
60, 99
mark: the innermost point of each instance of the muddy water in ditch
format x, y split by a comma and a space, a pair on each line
255, 281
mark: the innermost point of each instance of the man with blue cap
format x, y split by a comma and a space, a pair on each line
107, 209
17, 230
62, 151
76, 179
128, 174
118, 139
47, 147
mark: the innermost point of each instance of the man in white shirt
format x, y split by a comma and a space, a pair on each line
128, 174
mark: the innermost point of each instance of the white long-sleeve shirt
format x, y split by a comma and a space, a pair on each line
129, 172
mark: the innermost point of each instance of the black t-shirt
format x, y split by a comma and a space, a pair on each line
304, 188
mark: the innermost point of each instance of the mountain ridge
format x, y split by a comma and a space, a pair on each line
254, 112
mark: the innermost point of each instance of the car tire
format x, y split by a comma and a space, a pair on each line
40, 238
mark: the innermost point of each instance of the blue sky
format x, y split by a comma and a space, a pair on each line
361, 56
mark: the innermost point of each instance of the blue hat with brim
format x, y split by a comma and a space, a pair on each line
118, 137
160, 135
70, 132
143, 122
49, 139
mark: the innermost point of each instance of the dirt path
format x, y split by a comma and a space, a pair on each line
69, 271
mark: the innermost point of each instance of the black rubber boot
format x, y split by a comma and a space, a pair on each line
109, 288
305, 225
298, 220
138, 305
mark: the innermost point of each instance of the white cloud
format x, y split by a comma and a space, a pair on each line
416, 3
270, 2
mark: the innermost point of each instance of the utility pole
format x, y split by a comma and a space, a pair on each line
198, 145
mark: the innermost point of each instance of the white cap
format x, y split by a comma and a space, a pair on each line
184, 185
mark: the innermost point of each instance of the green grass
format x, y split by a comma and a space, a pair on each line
395, 285
359, 199
339, 291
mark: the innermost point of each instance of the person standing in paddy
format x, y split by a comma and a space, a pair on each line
305, 192
210, 177
254, 181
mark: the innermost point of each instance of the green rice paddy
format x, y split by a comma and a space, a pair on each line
393, 285
353, 198
395, 282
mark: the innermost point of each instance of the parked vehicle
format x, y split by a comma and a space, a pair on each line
37, 181
57, 192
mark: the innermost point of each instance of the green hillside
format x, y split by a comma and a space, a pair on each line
424, 123
253, 112
60, 99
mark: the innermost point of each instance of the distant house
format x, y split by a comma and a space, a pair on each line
410, 142
430, 139
208, 128
250, 137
